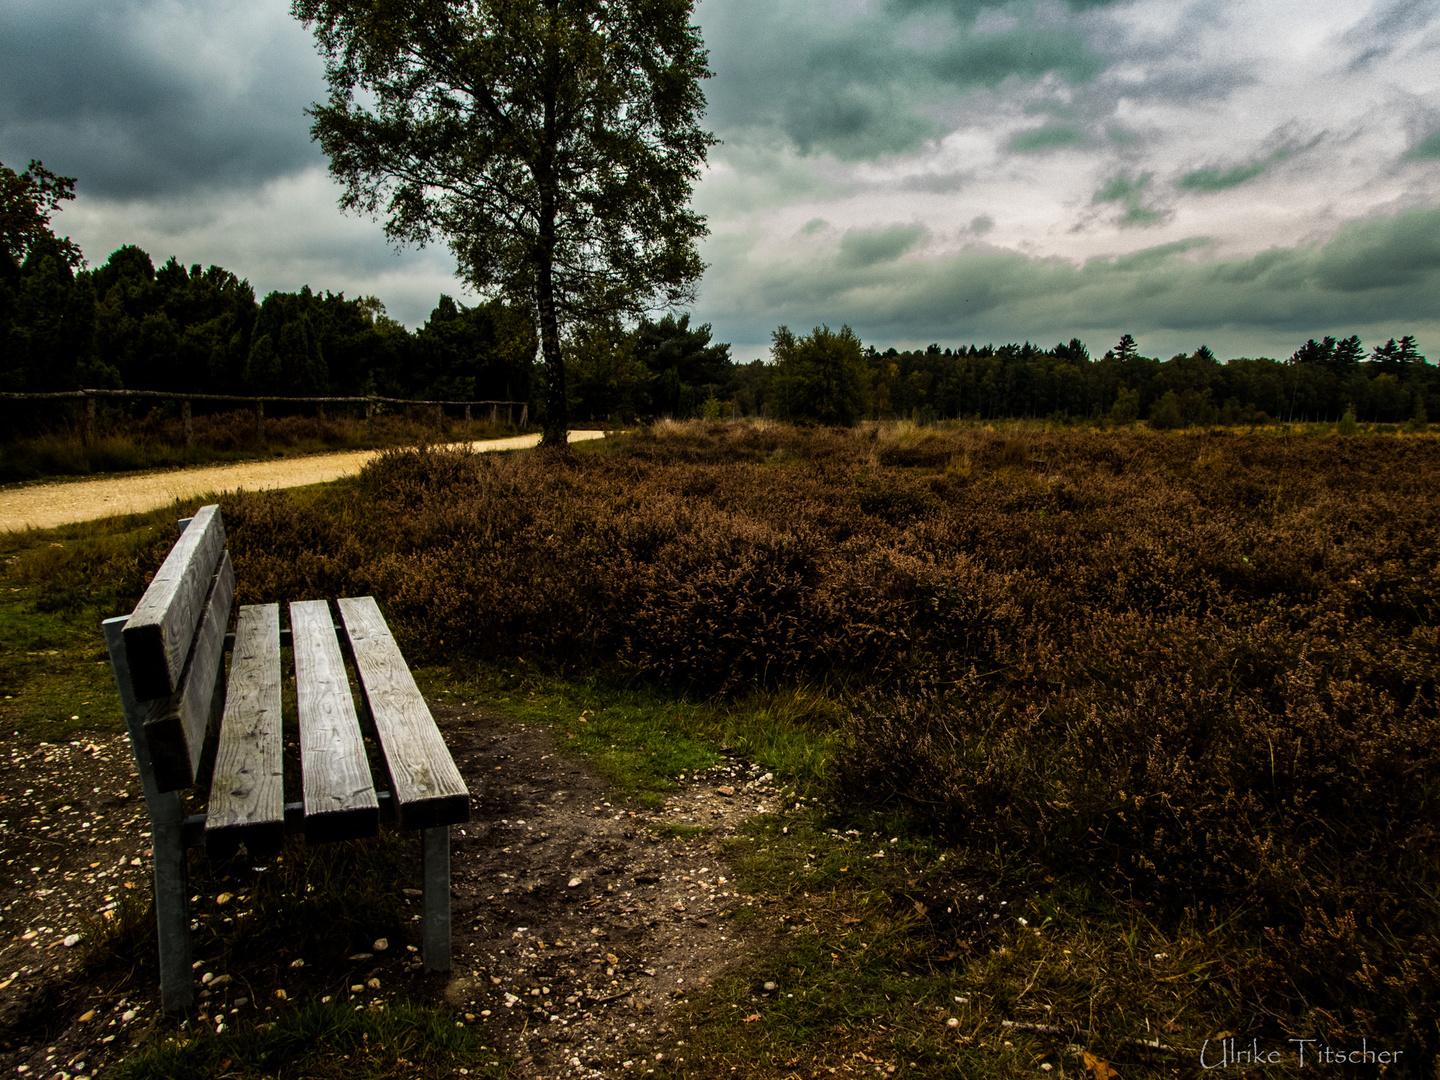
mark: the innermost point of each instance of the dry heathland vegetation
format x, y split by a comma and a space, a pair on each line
1198, 670
1168, 701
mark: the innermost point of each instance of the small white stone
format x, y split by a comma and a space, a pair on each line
71, 940
573, 882
381, 944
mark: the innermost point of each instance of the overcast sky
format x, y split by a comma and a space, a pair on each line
1239, 173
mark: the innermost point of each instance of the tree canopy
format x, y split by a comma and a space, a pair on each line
822, 377
552, 144
27, 200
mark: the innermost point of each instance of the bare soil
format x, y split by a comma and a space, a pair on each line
579, 924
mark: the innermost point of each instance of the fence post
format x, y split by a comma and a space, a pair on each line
494, 413
260, 420
320, 412
369, 416
525, 415
88, 433
186, 423
467, 418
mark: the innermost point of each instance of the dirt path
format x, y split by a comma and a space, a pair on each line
579, 926
47, 505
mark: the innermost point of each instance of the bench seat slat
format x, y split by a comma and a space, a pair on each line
427, 786
247, 790
159, 633
339, 795
175, 725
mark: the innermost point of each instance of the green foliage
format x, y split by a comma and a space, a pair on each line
326, 1042
1126, 409
285, 354
603, 376
1419, 419
474, 353
27, 200
1348, 425
47, 316
821, 378
1165, 414
558, 169
663, 368
684, 366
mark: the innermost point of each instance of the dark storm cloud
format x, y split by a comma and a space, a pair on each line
1376, 271
868, 247
860, 86
138, 98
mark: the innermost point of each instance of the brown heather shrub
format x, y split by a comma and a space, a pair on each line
1197, 669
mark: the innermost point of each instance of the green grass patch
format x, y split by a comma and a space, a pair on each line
324, 1041
874, 948
56, 586
643, 738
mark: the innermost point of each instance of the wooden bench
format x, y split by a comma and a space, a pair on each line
168, 661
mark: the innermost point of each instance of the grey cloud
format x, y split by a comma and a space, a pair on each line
113, 93
1380, 34
1220, 179
857, 86
868, 247
1049, 137
1427, 149
1383, 272
1382, 255
939, 183
1130, 192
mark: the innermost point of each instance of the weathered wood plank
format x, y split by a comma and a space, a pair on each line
339, 794
247, 789
159, 633
427, 785
175, 725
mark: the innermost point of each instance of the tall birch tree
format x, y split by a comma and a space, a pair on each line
552, 144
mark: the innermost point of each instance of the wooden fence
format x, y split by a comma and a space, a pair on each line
258, 403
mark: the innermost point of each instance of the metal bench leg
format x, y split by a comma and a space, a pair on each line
167, 816
172, 917
435, 867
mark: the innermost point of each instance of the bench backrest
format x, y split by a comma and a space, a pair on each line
174, 644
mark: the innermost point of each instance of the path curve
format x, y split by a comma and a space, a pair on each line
45, 506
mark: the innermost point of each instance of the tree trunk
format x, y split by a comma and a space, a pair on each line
556, 420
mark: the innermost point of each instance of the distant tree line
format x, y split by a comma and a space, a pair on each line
127, 324
829, 377
1321, 381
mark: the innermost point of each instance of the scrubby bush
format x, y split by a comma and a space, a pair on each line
821, 378
1200, 669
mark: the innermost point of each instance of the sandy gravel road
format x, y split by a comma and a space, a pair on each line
46, 505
